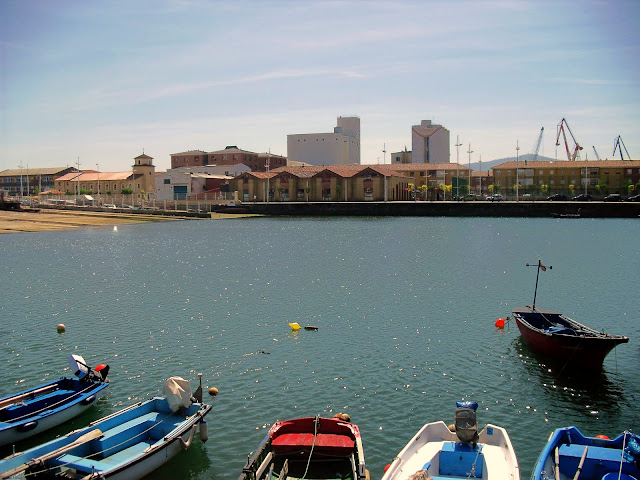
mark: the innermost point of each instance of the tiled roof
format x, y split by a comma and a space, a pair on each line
573, 164
417, 167
32, 171
190, 152
94, 176
232, 149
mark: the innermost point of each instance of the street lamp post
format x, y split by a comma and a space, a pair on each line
469, 152
481, 175
458, 144
517, 171
98, 170
267, 165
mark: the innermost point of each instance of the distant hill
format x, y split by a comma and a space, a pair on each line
492, 163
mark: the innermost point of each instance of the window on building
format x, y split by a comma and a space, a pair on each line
550, 171
167, 181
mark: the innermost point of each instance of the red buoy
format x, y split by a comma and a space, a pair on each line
500, 323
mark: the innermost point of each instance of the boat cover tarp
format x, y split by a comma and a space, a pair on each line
177, 391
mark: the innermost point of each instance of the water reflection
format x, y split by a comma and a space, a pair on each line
597, 393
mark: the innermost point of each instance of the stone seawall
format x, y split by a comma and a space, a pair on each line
450, 209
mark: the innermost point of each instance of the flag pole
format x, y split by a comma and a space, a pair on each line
535, 292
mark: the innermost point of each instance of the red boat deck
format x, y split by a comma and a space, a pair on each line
325, 443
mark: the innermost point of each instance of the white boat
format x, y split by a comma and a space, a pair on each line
440, 452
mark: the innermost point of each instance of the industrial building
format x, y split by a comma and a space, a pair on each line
341, 147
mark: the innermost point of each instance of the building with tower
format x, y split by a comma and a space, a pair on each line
429, 143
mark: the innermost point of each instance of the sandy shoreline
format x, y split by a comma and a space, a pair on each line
47, 220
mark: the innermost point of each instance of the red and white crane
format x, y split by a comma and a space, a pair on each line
576, 149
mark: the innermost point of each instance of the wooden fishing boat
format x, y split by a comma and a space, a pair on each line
440, 452
558, 336
126, 445
310, 448
569, 455
32, 411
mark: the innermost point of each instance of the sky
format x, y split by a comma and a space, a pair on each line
99, 82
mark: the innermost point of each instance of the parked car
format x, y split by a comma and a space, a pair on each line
635, 198
496, 197
109, 205
583, 197
470, 197
614, 197
557, 197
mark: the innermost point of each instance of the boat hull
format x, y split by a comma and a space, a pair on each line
438, 451
554, 335
59, 402
599, 456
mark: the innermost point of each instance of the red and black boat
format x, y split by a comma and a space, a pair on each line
558, 336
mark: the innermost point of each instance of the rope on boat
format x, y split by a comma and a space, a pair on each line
53, 405
624, 440
473, 467
313, 444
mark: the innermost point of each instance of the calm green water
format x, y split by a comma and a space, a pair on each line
405, 309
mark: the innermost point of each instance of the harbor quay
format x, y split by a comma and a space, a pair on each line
447, 209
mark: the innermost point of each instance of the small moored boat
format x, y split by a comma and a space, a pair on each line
558, 336
440, 452
569, 454
126, 445
310, 448
30, 412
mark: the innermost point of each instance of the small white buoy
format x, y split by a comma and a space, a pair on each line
115, 228
61, 328
204, 431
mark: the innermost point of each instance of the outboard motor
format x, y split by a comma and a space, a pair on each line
83, 371
466, 423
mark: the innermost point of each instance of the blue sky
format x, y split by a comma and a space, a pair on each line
101, 80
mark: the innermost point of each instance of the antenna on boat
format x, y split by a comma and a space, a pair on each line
544, 269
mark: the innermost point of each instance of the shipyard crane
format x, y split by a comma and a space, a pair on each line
618, 145
535, 153
561, 130
596, 152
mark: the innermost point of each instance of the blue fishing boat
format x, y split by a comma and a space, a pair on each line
570, 455
30, 412
126, 445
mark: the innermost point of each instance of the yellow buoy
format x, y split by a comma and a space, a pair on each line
295, 326
213, 391
61, 328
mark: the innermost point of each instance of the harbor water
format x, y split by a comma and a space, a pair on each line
405, 310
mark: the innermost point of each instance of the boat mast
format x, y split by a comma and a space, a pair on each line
535, 292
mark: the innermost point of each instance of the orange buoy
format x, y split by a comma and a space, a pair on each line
500, 323
213, 391
61, 328
604, 437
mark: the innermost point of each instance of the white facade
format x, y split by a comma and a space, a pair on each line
190, 180
430, 143
342, 147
